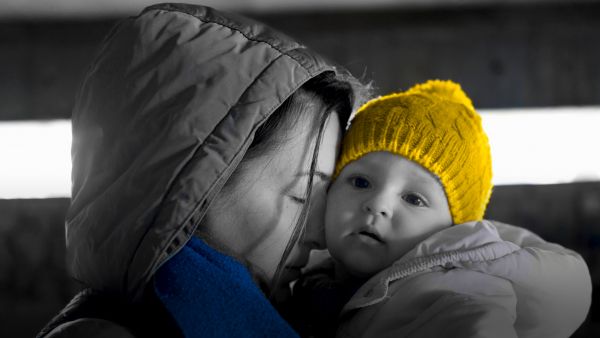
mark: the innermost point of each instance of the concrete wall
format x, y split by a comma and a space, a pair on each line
503, 56
34, 283
64, 9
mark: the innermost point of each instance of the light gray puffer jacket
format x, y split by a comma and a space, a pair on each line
477, 279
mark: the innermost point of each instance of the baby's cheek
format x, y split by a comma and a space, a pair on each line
331, 229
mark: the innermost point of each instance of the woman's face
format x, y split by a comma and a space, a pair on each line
255, 216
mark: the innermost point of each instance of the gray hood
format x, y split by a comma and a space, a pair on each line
164, 114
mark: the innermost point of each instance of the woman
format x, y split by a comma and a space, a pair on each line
198, 136
194, 121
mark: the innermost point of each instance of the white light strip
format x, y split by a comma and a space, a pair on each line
544, 145
529, 146
35, 159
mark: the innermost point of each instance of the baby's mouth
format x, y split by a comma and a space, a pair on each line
371, 233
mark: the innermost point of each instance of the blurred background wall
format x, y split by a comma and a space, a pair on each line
505, 54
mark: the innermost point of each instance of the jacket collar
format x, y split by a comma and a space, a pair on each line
449, 248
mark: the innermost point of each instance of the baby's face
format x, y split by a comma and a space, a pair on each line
380, 207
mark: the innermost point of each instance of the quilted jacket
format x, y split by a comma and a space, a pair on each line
164, 115
478, 279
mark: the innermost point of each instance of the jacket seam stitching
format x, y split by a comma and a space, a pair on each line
421, 264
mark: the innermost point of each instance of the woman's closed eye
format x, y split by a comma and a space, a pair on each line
415, 199
299, 200
359, 182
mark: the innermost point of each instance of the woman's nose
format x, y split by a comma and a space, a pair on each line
314, 232
378, 205
314, 236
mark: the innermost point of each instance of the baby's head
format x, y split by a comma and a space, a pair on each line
412, 163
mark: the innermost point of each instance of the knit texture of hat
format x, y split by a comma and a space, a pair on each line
435, 125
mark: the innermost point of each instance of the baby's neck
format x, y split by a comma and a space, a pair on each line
343, 275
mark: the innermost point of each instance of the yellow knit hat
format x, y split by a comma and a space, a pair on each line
435, 125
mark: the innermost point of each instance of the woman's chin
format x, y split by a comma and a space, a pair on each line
281, 294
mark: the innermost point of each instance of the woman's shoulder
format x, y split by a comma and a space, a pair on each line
97, 314
85, 316
89, 327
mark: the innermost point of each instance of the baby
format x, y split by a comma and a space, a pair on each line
412, 164
411, 254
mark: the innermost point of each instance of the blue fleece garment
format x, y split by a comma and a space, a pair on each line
212, 295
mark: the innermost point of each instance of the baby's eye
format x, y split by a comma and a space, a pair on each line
415, 199
360, 182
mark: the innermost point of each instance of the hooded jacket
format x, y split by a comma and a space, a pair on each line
163, 117
477, 279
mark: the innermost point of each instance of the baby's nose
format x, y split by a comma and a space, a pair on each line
378, 205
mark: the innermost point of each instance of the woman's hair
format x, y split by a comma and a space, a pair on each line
336, 94
329, 92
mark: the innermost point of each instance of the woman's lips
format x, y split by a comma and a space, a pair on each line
292, 273
294, 268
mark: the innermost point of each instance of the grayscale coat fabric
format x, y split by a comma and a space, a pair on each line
476, 279
164, 115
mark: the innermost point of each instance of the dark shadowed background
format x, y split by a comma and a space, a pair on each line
504, 53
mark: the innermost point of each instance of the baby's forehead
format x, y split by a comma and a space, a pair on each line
392, 164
